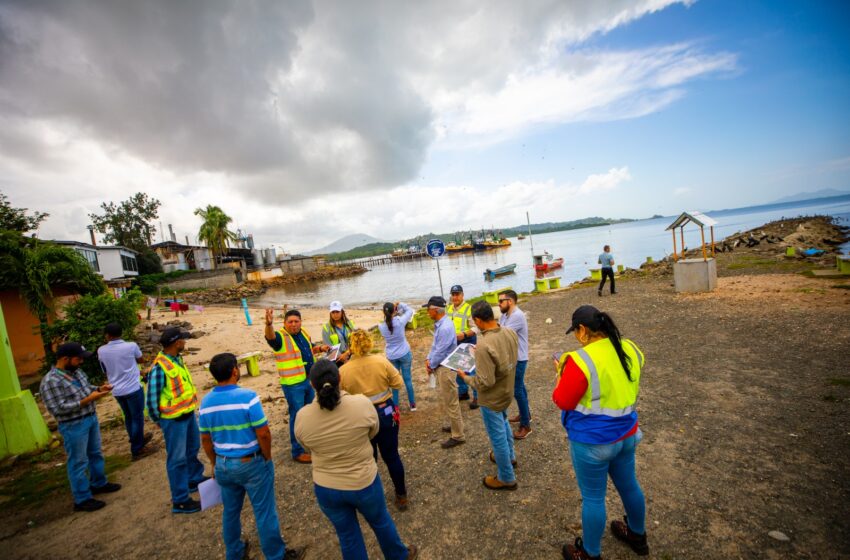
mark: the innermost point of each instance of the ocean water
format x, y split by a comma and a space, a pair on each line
631, 243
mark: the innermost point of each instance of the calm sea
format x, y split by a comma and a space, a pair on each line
631, 244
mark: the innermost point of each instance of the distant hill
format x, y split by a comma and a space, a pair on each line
823, 193
346, 244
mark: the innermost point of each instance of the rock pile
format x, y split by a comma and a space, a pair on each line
224, 295
148, 337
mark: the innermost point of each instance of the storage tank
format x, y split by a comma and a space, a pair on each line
269, 256
258, 257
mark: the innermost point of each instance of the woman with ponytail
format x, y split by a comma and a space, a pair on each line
396, 317
597, 391
337, 429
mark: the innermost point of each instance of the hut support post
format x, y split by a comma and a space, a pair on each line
675, 253
711, 229
702, 236
682, 236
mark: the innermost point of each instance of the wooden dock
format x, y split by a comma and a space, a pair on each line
371, 262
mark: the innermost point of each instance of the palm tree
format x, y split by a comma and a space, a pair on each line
214, 230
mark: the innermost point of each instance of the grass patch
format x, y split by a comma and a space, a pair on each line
840, 382
36, 485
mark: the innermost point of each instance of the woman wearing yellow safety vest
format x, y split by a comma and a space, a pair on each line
337, 331
374, 376
597, 391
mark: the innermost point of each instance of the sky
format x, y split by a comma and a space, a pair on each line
310, 120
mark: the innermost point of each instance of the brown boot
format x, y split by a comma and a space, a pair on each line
620, 529
493, 483
149, 449
514, 419
401, 502
577, 552
412, 552
522, 432
304, 459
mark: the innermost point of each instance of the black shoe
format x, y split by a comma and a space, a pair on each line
446, 429
612, 293
245, 554
107, 488
620, 529
189, 506
451, 442
600, 295
89, 505
463, 397
474, 404
295, 553
194, 487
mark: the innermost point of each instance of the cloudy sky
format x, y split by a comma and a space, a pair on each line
310, 120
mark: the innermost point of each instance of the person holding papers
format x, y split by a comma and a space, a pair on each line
495, 368
235, 436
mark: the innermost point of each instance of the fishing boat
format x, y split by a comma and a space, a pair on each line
492, 274
520, 237
458, 247
494, 244
546, 262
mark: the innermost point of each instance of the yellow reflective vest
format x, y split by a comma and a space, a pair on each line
609, 392
289, 362
331, 336
460, 316
178, 395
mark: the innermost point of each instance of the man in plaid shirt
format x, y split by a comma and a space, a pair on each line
70, 398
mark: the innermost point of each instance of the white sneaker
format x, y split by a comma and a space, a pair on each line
413, 407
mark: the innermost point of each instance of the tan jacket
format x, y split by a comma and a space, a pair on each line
495, 368
339, 441
372, 375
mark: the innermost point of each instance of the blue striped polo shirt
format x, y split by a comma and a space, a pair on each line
230, 415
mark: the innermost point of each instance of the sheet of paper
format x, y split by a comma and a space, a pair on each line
210, 493
333, 353
463, 358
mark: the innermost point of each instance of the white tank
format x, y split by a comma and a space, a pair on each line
258, 257
269, 256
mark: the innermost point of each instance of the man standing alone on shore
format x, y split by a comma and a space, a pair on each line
606, 259
445, 341
172, 400
293, 354
513, 318
236, 438
120, 360
495, 367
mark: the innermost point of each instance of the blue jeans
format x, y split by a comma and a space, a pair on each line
592, 465
133, 407
297, 396
255, 477
82, 445
521, 395
502, 438
403, 366
341, 507
182, 443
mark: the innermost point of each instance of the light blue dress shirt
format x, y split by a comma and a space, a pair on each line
445, 341
397, 345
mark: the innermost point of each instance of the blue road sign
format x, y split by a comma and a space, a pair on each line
436, 248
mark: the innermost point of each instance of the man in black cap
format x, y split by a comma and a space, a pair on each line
460, 314
445, 341
172, 401
70, 398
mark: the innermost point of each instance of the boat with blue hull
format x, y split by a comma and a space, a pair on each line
492, 274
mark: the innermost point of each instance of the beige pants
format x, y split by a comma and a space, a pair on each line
447, 385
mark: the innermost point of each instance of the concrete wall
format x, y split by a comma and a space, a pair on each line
695, 275
263, 274
211, 279
297, 266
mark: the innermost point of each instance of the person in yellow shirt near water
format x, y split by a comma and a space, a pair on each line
374, 376
293, 354
460, 313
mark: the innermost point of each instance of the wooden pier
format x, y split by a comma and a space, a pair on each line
370, 262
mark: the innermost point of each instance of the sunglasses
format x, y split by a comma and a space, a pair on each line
504, 300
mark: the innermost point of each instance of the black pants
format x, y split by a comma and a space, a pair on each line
387, 442
607, 271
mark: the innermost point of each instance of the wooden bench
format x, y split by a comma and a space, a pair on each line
547, 283
596, 274
252, 361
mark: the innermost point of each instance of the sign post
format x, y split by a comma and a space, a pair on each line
436, 249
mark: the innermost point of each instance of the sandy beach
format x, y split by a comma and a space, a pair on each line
744, 407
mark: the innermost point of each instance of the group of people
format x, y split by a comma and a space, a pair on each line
344, 412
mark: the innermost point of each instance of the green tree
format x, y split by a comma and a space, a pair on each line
16, 219
149, 262
128, 223
214, 230
35, 267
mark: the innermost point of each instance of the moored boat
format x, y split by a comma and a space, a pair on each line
546, 262
492, 274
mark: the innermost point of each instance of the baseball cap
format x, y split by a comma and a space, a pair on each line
73, 350
457, 289
586, 315
335, 306
436, 301
172, 335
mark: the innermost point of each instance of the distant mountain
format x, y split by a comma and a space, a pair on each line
346, 244
823, 193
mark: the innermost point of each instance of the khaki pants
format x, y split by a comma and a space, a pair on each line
447, 385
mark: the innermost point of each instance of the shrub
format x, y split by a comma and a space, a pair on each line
148, 283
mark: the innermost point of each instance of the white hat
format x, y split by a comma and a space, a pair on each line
335, 306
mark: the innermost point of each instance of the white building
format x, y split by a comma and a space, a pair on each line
116, 264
